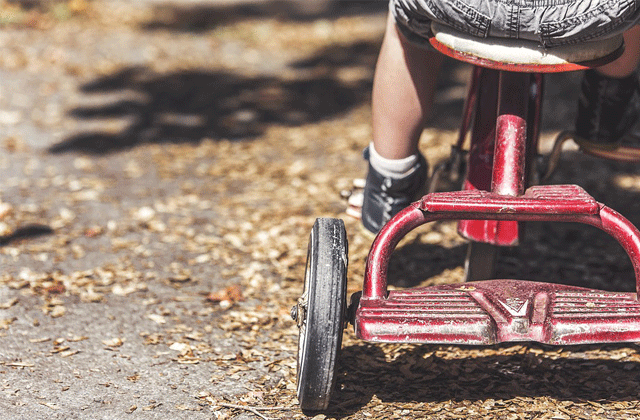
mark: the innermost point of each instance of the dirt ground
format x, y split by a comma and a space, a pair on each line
162, 164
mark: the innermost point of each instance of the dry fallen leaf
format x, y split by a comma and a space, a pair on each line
230, 294
68, 353
5, 209
20, 364
50, 405
113, 342
159, 319
180, 347
58, 311
4, 323
151, 406
150, 339
77, 338
183, 278
56, 288
8, 304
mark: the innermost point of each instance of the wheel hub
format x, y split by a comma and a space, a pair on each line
299, 312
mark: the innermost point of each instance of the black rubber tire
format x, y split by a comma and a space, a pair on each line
480, 261
322, 313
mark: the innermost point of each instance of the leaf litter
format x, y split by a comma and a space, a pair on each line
268, 191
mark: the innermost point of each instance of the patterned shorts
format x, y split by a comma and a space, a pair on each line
550, 22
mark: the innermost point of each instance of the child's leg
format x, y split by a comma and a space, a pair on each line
403, 89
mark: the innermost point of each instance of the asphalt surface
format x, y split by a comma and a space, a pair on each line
162, 163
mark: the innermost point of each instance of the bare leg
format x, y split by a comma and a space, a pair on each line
403, 89
628, 62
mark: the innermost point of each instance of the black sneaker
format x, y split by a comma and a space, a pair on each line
608, 109
384, 197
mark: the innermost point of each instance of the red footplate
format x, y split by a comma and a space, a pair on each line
496, 311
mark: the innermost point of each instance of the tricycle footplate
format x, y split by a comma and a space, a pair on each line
495, 311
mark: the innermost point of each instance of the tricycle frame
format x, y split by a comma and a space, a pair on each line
503, 112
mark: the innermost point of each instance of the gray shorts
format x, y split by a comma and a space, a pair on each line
550, 22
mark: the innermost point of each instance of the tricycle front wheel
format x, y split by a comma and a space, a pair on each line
321, 313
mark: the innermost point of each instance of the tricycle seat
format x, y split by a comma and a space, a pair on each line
522, 55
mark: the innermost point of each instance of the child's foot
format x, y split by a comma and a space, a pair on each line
384, 196
608, 109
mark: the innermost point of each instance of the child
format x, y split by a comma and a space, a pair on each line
406, 73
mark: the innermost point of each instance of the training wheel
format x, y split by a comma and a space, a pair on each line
321, 312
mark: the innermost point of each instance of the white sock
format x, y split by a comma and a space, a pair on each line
392, 168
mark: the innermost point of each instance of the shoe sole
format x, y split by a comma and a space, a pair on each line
626, 150
622, 153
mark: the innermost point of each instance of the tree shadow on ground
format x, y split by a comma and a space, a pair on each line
204, 17
192, 105
35, 4
189, 106
419, 374
415, 262
25, 232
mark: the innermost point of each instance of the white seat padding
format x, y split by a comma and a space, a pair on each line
516, 51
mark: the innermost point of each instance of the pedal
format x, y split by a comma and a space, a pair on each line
628, 151
624, 153
496, 311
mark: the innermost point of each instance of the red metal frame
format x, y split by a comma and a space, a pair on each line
476, 314
561, 203
505, 107
480, 175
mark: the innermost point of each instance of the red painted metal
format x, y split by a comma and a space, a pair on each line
523, 68
511, 134
480, 164
561, 203
496, 232
496, 311
469, 105
541, 199
494, 200
485, 109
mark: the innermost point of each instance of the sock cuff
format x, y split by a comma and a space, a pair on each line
392, 168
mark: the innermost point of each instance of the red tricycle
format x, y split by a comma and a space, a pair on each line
501, 170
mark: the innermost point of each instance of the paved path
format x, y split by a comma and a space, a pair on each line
162, 163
